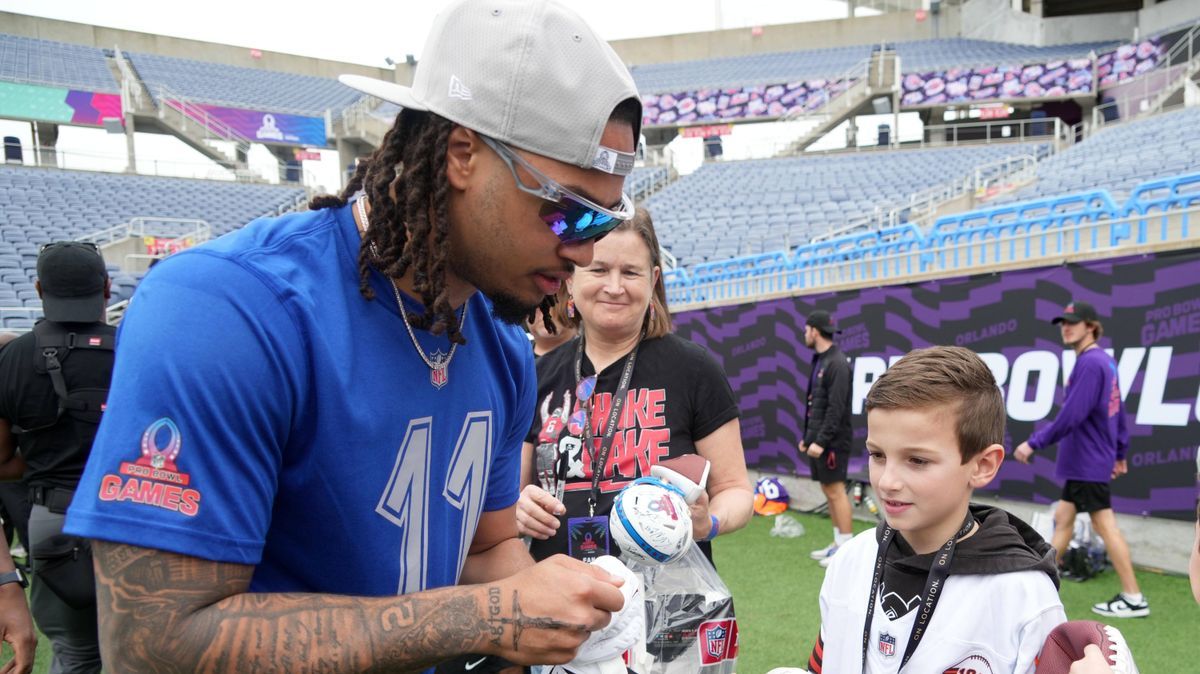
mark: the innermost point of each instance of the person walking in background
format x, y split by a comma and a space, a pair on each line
827, 432
1092, 442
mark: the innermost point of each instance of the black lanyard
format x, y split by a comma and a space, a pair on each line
939, 570
600, 458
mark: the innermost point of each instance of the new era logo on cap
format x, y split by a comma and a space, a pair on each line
458, 89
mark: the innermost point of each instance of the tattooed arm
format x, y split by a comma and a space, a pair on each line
163, 612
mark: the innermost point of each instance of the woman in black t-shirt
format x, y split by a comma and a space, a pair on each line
677, 401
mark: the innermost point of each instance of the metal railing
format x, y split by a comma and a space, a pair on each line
919, 207
189, 112
133, 90
39, 156
994, 131
172, 230
112, 315
963, 252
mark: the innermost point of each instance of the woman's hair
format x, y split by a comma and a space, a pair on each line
660, 324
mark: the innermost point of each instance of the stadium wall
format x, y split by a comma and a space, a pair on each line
996, 20
103, 37
787, 37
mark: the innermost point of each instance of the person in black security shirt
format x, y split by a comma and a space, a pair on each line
46, 439
827, 433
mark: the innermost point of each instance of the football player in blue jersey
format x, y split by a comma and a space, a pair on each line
310, 460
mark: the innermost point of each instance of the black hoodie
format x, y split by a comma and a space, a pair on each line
1002, 544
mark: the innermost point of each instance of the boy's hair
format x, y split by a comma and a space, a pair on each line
951, 377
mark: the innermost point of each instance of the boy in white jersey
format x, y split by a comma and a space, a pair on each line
942, 586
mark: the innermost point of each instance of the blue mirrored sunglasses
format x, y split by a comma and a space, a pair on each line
570, 216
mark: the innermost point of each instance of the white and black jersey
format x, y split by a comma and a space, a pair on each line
996, 608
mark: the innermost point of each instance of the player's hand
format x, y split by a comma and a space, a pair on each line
542, 615
1023, 453
16, 627
815, 450
1120, 468
701, 522
1092, 663
537, 512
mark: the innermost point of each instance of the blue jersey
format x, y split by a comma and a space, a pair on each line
263, 412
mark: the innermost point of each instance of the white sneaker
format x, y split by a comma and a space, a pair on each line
1120, 656
824, 553
824, 563
1120, 607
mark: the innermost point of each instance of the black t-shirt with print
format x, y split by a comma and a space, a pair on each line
678, 394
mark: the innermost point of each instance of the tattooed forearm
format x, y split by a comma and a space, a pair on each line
518, 622
161, 612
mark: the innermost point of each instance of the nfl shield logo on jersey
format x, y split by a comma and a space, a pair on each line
887, 644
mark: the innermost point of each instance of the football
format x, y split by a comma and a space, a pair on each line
688, 472
651, 522
1066, 643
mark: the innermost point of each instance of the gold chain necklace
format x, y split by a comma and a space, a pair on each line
439, 373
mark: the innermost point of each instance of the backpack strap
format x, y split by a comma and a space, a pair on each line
53, 345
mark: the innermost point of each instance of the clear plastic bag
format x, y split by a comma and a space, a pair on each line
787, 526
690, 623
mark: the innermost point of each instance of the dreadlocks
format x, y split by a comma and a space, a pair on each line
405, 183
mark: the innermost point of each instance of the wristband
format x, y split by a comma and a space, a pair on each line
716, 528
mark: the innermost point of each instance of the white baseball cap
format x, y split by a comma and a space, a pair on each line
529, 73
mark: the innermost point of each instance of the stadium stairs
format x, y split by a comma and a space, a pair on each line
173, 113
876, 76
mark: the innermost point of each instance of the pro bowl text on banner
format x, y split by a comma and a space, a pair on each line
1151, 315
274, 128
56, 104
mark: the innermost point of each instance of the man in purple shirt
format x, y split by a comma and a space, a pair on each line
1092, 441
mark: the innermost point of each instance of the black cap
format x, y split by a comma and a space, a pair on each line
823, 321
1076, 312
73, 279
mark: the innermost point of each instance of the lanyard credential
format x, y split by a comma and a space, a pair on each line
939, 570
600, 457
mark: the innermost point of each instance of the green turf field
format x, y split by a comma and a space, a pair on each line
775, 587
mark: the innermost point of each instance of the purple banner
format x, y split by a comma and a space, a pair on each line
271, 127
1130, 60
1054, 79
1150, 309
714, 105
957, 85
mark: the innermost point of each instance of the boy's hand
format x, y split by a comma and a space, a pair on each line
1023, 452
815, 450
